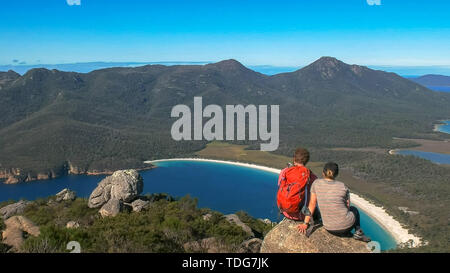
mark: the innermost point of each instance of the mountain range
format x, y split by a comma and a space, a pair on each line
55, 122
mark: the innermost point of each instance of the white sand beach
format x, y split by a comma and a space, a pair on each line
393, 151
379, 214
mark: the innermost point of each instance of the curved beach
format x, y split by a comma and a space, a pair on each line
437, 126
379, 214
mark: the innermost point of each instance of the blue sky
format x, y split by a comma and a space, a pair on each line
284, 33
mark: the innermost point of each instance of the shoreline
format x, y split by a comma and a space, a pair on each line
437, 126
400, 234
11, 180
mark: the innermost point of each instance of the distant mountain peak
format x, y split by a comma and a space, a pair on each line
10, 74
329, 67
229, 64
328, 62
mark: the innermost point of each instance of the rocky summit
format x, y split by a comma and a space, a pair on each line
285, 238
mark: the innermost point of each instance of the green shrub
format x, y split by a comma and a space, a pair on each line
164, 227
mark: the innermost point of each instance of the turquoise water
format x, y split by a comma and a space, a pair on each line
222, 187
434, 157
445, 128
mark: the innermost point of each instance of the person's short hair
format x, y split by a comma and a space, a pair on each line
331, 170
301, 155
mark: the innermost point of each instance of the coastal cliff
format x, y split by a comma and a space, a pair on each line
16, 175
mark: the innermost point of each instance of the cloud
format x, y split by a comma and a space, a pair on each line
374, 2
73, 2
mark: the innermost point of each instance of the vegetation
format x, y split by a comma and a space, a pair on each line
115, 118
53, 121
164, 227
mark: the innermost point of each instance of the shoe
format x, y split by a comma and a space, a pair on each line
360, 236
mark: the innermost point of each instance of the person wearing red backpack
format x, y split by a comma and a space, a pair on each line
294, 184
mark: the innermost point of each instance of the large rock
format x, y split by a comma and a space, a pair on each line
233, 218
285, 238
65, 195
111, 208
16, 227
121, 185
12, 209
250, 246
139, 204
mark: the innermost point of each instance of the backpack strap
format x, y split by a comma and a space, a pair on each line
305, 210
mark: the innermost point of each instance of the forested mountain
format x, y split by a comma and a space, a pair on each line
52, 121
432, 80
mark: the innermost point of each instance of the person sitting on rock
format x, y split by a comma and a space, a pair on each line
333, 198
294, 184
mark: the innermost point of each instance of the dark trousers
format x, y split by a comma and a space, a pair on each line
356, 225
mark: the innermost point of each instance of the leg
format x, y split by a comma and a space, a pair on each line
357, 224
359, 234
341, 233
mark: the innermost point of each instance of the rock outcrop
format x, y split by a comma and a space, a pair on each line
250, 246
16, 228
65, 195
111, 208
233, 218
123, 185
12, 209
207, 245
139, 204
10, 175
285, 238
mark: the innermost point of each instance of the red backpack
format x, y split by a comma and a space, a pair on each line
292, 184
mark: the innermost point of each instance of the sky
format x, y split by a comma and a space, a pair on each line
254, 32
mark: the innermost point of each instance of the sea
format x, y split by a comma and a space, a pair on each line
223, 187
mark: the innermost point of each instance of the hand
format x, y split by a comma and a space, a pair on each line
302, 228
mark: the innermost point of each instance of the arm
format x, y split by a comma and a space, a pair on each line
348, 199
312, 207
